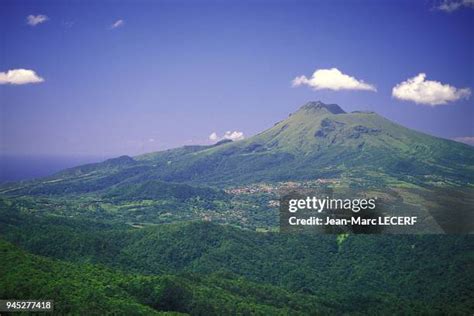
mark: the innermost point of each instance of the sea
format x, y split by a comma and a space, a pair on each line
16, 168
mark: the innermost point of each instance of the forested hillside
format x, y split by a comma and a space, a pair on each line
96, 290
195, 229
359, 274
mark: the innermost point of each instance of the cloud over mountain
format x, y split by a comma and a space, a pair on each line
422, 91
332, 79
232, 135
19, 77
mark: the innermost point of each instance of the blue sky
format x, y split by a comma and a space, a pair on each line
171, 73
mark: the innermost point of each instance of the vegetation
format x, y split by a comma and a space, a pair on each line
317, 141
265, 273
194, 230
96, 290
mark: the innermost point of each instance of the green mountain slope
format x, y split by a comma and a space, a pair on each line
94, 233
317, 141
322, 140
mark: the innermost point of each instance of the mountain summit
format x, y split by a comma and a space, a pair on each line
318, 106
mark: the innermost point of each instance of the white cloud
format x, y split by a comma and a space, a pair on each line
117, 24
34, 20
466, 139
433, 93
232, 135
213, 136
332, 79
235, 135
19, 76
453, 5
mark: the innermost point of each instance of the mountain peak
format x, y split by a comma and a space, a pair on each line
122, 160
318, 106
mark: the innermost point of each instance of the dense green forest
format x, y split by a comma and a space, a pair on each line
208, 268
87, 289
